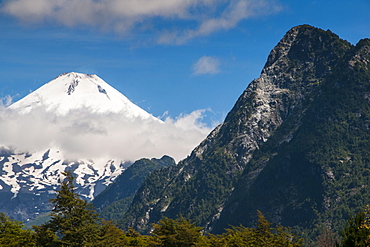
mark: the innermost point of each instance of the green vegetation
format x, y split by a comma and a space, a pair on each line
357, 231
183, 233
263, 235
114, 201
73, 222
12, 234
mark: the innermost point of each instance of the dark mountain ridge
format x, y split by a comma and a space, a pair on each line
113, 202
294, 146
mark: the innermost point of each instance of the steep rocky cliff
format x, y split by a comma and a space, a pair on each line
274, 151
316, 174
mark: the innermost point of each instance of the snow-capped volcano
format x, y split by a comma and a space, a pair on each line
80, 123
70, 91
69, 113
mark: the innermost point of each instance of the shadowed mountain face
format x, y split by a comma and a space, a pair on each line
114, 201
294, 146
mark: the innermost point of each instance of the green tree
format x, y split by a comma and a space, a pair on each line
179, 233
261, 236
45, 237
73, 221
357, 232
12, 234
110, 235
133, 238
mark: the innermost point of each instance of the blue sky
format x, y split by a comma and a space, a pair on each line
167, 56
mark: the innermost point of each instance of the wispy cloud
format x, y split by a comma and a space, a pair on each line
123, 16
6, 101
81, 134
229, 17
206, 65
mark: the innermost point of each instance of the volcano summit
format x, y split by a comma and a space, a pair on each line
71, 91
79, 122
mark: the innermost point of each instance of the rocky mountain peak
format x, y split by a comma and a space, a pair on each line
271, 108
304, 45
295, 68
362, 53
283, 47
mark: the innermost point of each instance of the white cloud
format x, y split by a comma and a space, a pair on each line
6, 101
85, 135
206, 65
229, 17
123, 16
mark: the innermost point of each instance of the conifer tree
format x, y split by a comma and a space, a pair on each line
73, 221
12, 234
180, 232
261, 236
357, 231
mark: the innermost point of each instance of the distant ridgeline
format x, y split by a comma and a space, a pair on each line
295, 146
114, 201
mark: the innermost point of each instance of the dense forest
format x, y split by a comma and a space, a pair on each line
74, 222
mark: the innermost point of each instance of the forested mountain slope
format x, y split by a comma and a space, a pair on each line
114, 201
294, 146
316, 166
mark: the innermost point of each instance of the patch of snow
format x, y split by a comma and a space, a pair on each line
40, 175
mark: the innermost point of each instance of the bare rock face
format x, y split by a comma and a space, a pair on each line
199, 186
